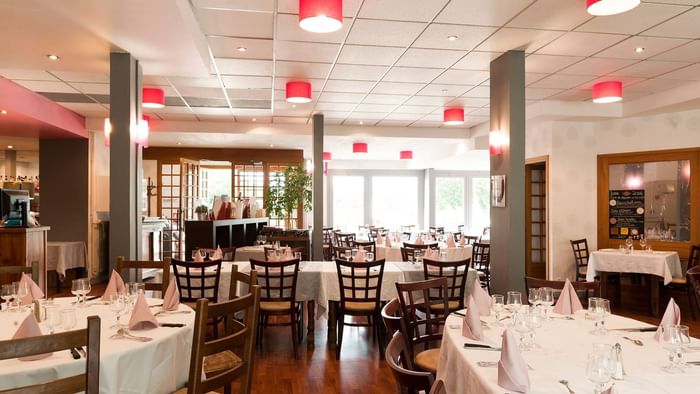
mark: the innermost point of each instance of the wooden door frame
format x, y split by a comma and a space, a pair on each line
530, 161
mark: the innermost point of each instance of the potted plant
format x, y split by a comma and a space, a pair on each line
201, 211
287, 191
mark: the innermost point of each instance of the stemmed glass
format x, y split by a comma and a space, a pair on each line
22, 291
514, 301
600, 309
76, 289
684, 333
497, 307
600, 367
642, 242
546, 300
534, 321
521, 325
83, 289
53, 317
117, 304
7, 294
672, 342
533, 296
15, 290
630, 244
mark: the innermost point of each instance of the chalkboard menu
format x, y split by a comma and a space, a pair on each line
626, 213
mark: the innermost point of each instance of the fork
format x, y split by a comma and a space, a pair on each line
636, 341
566, 384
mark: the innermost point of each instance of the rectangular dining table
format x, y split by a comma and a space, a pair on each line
657, 265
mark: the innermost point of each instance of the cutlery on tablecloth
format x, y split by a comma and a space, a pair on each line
459, 313
161, 312
480, 346
87, 299
639, 329
566, 384
74, 353
155, 306
488, 364
695, 363
171, 324
125, 334
636, 341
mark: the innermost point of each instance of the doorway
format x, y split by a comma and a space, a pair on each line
536, 217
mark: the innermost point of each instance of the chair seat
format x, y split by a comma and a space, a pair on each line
679, 281
184, 391
275, 306
427, 360
220, 362
451, 305
360, 306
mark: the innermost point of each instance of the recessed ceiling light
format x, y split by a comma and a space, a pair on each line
52, 57
179, 143
443, 90
3, 112
452, 38
254, 120
241, 49
639, 49
272, 145
294, 105
361, 123
10, 147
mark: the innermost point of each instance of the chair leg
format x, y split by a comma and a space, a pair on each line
379, 328
341, 324
294, 333
300, 323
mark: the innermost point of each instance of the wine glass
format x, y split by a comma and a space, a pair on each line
534, 321
497, 307
684, 333
521, 325
533, 296
599, 309
15, 290
671, 341
642, 242
84, 288
370, 256
599, 367
6, 294
117, 304
630, 244
514, 301
53, 317
76, 289
68, 319
546, 300
22, 291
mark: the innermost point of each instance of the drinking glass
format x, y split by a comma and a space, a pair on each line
370, 256
6, 294
68, 319
22, 291
514, 301
84, 288
117, 304
297, 255
497, 308
534, 321
520, 323
684, 333
75, 289
53, 317
630, 245
546, 300
135, 288
599, 308
533, 296
599, 367
15, 290
671, 341
642, 242
418, 255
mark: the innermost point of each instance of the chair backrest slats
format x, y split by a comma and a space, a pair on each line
277, 279
197, 280
139, 265
456, 273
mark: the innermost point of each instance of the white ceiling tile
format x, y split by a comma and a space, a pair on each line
528, 40
335, 114
429, 101
655, 85
394, 123
436, 89
689, 52
252, 94
212, 111
178, 117
402, 10
397, 88
462, 77
154, 80
626, 81
201, 92
385, 99
690, 73
256, 120
390, 33
686, 2
332, 97
479, 112
211, 82
244, 67
290, 119
652, 46
532, 78
572, 95
414, 109
347, 107
246, 112
548, 63
581, 44
649, 69
282, 105
366, 115
411, 117
558, 81
235, 23
476, 61
302, 70
371, 55
47, 86
468, 102
551, 15
426, 123
91, 88
288, 28
634, 21
87, 109
292, 7
468, 37
682, 26
334, 121
478, 91
484, 13
256, 48
236, 82
439, 58
412, 74
32, 75
336, 85
359, 72
540, 93
169, 110
258, 5
597, 66
296, 112
69, 76
383, 108
306, 51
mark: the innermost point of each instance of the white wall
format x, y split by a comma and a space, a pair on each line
99, 194
573, 148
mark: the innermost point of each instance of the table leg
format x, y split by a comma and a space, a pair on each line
604, 285
311, 316
332, 322
655, 294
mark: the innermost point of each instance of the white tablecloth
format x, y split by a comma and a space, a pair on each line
62, 256
394, 253
666, 265
245, 253
564, 348
158, 366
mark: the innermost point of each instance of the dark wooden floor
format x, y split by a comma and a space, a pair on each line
359, 370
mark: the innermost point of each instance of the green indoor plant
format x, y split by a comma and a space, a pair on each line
287, 191
201, 211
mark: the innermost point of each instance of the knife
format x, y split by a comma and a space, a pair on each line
640, 329
479, 346
171, 324
693, 362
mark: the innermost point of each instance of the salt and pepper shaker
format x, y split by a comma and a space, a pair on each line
619, 369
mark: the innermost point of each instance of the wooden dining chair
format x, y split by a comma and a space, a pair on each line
407, 380
340, 252
345, 239
368, 246
237, 277
88, 382
360, 285
391, 315
693, 278
197, 280
580, 249
422, 321
219, 362
481, 261
420, 246
328, 243
125, 267
470, 239
18, 270
278, 289
584, 290
456, 273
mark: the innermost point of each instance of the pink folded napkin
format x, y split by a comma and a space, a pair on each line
461, 240
482, 299
33, 291
360, 256
419, 241
218, 254
471, 324
288, 253
451, 241
379, 240
30, 328
672, 316
512, 368
114, 286
387, 242
568, 302
141, 316
198, 258
171, 298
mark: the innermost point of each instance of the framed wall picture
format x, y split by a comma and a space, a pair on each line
498, 191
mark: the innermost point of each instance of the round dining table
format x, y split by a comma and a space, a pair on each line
126, 366
393, 253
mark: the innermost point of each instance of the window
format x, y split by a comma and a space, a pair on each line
214, 181
449, 202
480, 210
248, 181
276, 174
394, 201
348, 202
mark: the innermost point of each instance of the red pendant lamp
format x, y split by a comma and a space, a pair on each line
298, 92
453, 116
321, 16
359, 147
406, 155
107, 131
143, 130
607, 92
153, 98
610, 7
327, 156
